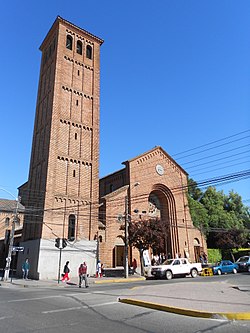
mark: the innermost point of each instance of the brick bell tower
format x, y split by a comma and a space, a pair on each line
61, 195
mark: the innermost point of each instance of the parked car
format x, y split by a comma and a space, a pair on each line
225, 266
176, 267
244, 264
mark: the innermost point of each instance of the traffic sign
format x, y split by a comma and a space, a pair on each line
18, 249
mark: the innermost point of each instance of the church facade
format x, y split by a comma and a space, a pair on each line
155, 186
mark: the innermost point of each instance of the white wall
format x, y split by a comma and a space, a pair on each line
44, 258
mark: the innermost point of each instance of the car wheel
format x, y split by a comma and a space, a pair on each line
169, 275
234, 270
194, 273
219, 272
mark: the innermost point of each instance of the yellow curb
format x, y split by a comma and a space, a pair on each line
187, 312
119, 280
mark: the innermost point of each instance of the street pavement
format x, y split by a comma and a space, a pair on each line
217, 299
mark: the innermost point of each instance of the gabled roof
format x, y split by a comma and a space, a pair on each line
10, 206
113, 173
114, 193
152, 150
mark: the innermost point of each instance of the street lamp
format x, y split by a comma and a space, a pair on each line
12, 233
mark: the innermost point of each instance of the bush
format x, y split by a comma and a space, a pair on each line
214, 255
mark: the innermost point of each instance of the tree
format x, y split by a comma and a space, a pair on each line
233, 203
197, 210
199, 215
145, 234
193, 190
213, 210
228, 239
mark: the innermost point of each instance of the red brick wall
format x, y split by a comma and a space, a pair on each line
64, 168
143, 179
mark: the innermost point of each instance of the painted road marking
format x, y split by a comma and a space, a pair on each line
32, 299
6, 317
79, 307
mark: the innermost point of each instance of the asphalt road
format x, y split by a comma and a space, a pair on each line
96, 309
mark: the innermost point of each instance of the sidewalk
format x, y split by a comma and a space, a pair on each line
213, 300
18, 282
217, 299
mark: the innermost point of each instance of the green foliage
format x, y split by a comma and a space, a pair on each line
199, 215
193, 191
214, 255
214, 213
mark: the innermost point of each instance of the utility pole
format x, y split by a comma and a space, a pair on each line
126, 237
12, 234
127, 217
97, 246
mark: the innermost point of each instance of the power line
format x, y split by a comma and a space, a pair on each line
210, 143
228, 166
224, 152
219, 159
224, 144
204, 183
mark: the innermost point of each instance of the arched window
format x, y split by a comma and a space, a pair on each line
7, 221
79, 47
89, 52
69, 42
196, 242
71, 227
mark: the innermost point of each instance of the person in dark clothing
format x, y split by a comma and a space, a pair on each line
66, 271
134, 265
26, 268
82, 272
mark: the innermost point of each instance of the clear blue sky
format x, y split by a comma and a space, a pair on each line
173, 73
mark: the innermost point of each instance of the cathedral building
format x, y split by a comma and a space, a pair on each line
64, 197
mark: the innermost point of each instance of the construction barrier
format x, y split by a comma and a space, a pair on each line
207, 271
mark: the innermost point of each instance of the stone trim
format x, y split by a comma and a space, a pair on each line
71, 160
72, 200
68, 122
150, 155
78, 63
76, 92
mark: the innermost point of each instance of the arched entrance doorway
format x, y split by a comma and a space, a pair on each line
197, 249
162, 205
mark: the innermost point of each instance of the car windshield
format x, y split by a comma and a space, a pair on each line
242, 259
168, 262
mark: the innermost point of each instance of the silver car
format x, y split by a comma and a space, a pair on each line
244, 264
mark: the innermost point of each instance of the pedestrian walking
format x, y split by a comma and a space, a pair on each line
98, 269
82, 272
134, 265
102, 270
66, 271
26, 268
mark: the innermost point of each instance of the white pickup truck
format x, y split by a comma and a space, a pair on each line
176, 267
